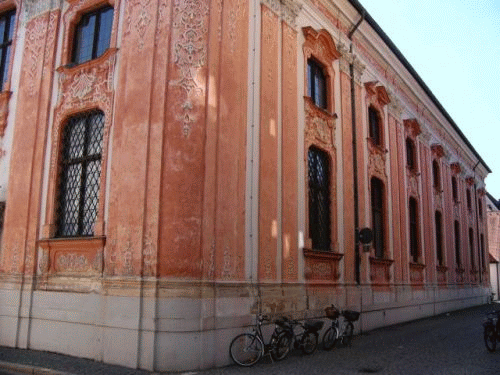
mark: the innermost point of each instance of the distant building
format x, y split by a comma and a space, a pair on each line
493, 209
171, 168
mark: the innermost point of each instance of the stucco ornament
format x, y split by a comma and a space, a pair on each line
72, 262
190, 53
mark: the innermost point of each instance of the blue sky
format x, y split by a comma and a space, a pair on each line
454, 45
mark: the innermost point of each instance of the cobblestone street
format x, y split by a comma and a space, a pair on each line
447, 344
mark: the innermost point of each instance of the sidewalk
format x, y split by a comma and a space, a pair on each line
38, 363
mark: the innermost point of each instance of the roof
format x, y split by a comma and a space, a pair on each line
357, 5
493, 200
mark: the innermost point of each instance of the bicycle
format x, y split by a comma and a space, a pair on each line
306, 340
491, 332
247, 349
341, 329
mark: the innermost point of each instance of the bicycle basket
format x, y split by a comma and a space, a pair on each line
351, 315
332, 312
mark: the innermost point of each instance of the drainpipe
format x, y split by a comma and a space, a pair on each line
357, 263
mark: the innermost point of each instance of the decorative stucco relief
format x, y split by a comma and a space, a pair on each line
138, 19
4, 110
34, 49
377, 161
320, 126
190, 55
287, 10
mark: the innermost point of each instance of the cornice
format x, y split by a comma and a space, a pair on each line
287, 10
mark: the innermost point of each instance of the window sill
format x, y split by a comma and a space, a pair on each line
322, 265
71, 66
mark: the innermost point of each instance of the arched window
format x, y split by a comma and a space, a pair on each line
414, 232
319, 198
79, 174
92, 35
439, 238
436, 175
378, 216
411, 155
316, 84
375, 126
458, 258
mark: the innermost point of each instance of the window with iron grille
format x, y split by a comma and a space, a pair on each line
458, 258
377, 206
375, 126
411, 158
7, 23
454, 189
79, 176
439, 237
316, 84
92, 35
319, 198
436, 175
471, 249
414, 250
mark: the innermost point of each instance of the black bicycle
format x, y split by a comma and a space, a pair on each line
492, 330
303, 335
247, 349
341, 329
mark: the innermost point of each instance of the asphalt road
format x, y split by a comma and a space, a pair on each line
444, 345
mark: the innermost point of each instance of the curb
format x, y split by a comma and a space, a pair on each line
27, 369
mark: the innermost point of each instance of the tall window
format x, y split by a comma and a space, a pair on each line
436, 175
471, 248
458, 258
480, 207
411, 155
92, 35
469, 200
483, 260
454, 189
414, 250
79, 176
375, 126
316, 84
7, 23
319, 198
439, 238
377, 197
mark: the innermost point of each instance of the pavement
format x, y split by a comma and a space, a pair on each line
446, 344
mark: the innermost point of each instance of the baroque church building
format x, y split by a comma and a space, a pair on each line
170, 168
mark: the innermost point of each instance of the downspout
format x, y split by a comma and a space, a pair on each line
357, 263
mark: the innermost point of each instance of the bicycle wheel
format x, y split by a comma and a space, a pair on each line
330, 338
347, 336
281, 346
490, 339
246, 349
309, 342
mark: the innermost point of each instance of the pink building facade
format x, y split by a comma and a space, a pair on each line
171, 168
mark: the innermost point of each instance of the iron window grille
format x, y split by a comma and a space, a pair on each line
92, 35
374, 125
80, 172
319, 198
439, 237
316, 84
7, 24
414, 251
457, 244
377, 197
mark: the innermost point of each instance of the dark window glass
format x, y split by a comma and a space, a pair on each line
480, 207
469, 200
319, 198
375, 127
436, 175
483, 260
377, 197
471, 249
80, 171
454, 189
458, 258
414, 250
7, 23
439, 238
316, 84
92, 35
411, 158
